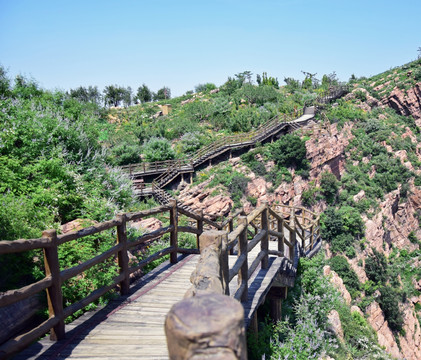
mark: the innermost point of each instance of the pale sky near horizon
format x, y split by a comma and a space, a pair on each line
64, 44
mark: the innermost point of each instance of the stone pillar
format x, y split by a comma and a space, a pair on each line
208, 326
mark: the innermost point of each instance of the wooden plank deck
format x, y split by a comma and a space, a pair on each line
133, 327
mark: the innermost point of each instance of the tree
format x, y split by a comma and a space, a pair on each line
292, 84
113, 95
330, 186
163, 94
204, 87
144, 94
127, 96
90, 94
270, 81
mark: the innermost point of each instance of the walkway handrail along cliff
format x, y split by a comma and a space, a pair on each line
268, 219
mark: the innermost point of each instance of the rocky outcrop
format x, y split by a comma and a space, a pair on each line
335, 325
395, 220
406, 102
76, 225
337, 283
410, 343
384, 334
326, 149
149, 224
200, 198
369, 102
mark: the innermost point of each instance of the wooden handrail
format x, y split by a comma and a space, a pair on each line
261, 217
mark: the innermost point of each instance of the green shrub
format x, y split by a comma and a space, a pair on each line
413, 238
390, 305
376, 267
330, 186
288, 151
340, 265
125, 154
158, 149
342, 242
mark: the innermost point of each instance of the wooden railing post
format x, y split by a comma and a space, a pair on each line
242, 249
200, 228
281, 244
54, 293
224, 263
231, 229
264, 244
292, 240
174, 232
123, 258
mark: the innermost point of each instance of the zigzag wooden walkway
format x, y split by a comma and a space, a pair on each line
133, 327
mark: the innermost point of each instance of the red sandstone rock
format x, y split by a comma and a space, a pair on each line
76, 225
380, 325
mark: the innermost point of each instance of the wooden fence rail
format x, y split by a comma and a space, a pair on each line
212, 277
270, 222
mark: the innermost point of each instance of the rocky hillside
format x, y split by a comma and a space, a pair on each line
370, 141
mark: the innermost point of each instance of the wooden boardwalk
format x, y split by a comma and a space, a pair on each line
132, 327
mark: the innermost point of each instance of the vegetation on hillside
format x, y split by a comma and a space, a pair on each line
60, 155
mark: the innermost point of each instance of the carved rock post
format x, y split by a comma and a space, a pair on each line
208, 326
211, 272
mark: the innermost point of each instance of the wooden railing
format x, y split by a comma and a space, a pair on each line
271, 223
241, 139
212, 277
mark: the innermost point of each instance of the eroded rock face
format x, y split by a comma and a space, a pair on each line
149, 224
411, 342
76, 225
335, 325
394, 222
199, 198
337, 283
326, 150
380, 325
406, 102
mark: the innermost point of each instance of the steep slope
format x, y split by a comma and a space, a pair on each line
372, 205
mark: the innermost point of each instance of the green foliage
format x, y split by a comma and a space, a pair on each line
162, 94
304, 331
340, 265
204, 87
288, 151
330, 186
53, 170
376, 267
390, 305
144, 94
345, 220
413, 238
125, 154
158, 149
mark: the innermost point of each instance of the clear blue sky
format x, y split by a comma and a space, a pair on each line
64, 44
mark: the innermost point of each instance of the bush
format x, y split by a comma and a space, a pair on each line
288, 151
126, 154
390, 305
340, 265
330, 186
376, 267
158, 149
342, 242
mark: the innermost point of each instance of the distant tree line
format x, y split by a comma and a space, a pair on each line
115, 95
